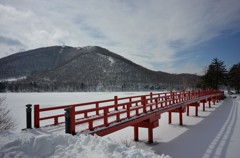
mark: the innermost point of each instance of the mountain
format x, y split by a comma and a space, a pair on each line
90, 68
34, 61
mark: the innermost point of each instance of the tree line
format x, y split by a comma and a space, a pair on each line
218, 77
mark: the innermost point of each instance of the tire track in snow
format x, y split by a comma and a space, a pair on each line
218, 147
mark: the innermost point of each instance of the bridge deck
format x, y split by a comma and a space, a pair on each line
107, 116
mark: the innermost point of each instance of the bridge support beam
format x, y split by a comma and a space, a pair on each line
196, 105
209, 102
150, 124
180, 110
169, 117
203, 103
150, 135
136, 133
214, 100
203, 108
180, 118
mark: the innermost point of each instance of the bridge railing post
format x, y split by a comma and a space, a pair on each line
70, 120
181, 98
184, 95
97, 106
143, 100
72, 117
173, 97
151, 97
128, 111
67, 121
166, 100
29, 116
130, 101
55, 120
116, 102
156, 101
90, 126
105, 116
117, 117
159, 97
36, 116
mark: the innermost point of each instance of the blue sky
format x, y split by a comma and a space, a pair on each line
172, 36
225, 48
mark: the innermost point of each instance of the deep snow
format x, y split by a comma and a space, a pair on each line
32, 144
215, 133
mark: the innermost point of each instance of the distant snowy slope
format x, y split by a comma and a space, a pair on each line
34, 61
36, 146
89, 68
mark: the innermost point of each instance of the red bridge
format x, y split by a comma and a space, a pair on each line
107, 116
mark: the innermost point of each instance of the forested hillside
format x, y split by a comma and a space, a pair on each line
90, 68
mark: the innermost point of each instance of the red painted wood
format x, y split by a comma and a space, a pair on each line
150, 135
136, 133
196, 105
196, 110
151, 97
187, 110
116, 102
209, 103
180, 118
156, 101
203, 106
72, 119
36, 116
147, 112
97, 107
105, 119
143, 100
128, 111
55, 120
169, 117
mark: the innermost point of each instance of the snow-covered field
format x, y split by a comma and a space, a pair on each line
215, 133
32, 144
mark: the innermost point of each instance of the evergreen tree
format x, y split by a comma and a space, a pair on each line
234, 75
215, 76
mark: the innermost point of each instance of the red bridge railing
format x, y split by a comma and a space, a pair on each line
101, 116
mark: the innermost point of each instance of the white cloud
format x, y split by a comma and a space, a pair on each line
150, 33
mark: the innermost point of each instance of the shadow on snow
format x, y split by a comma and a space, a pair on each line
209, 138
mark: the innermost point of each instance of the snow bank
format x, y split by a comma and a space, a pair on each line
31, 144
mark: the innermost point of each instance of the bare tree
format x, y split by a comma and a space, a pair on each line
6, 121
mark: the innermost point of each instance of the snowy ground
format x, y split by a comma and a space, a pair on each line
215, 133
32, 144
